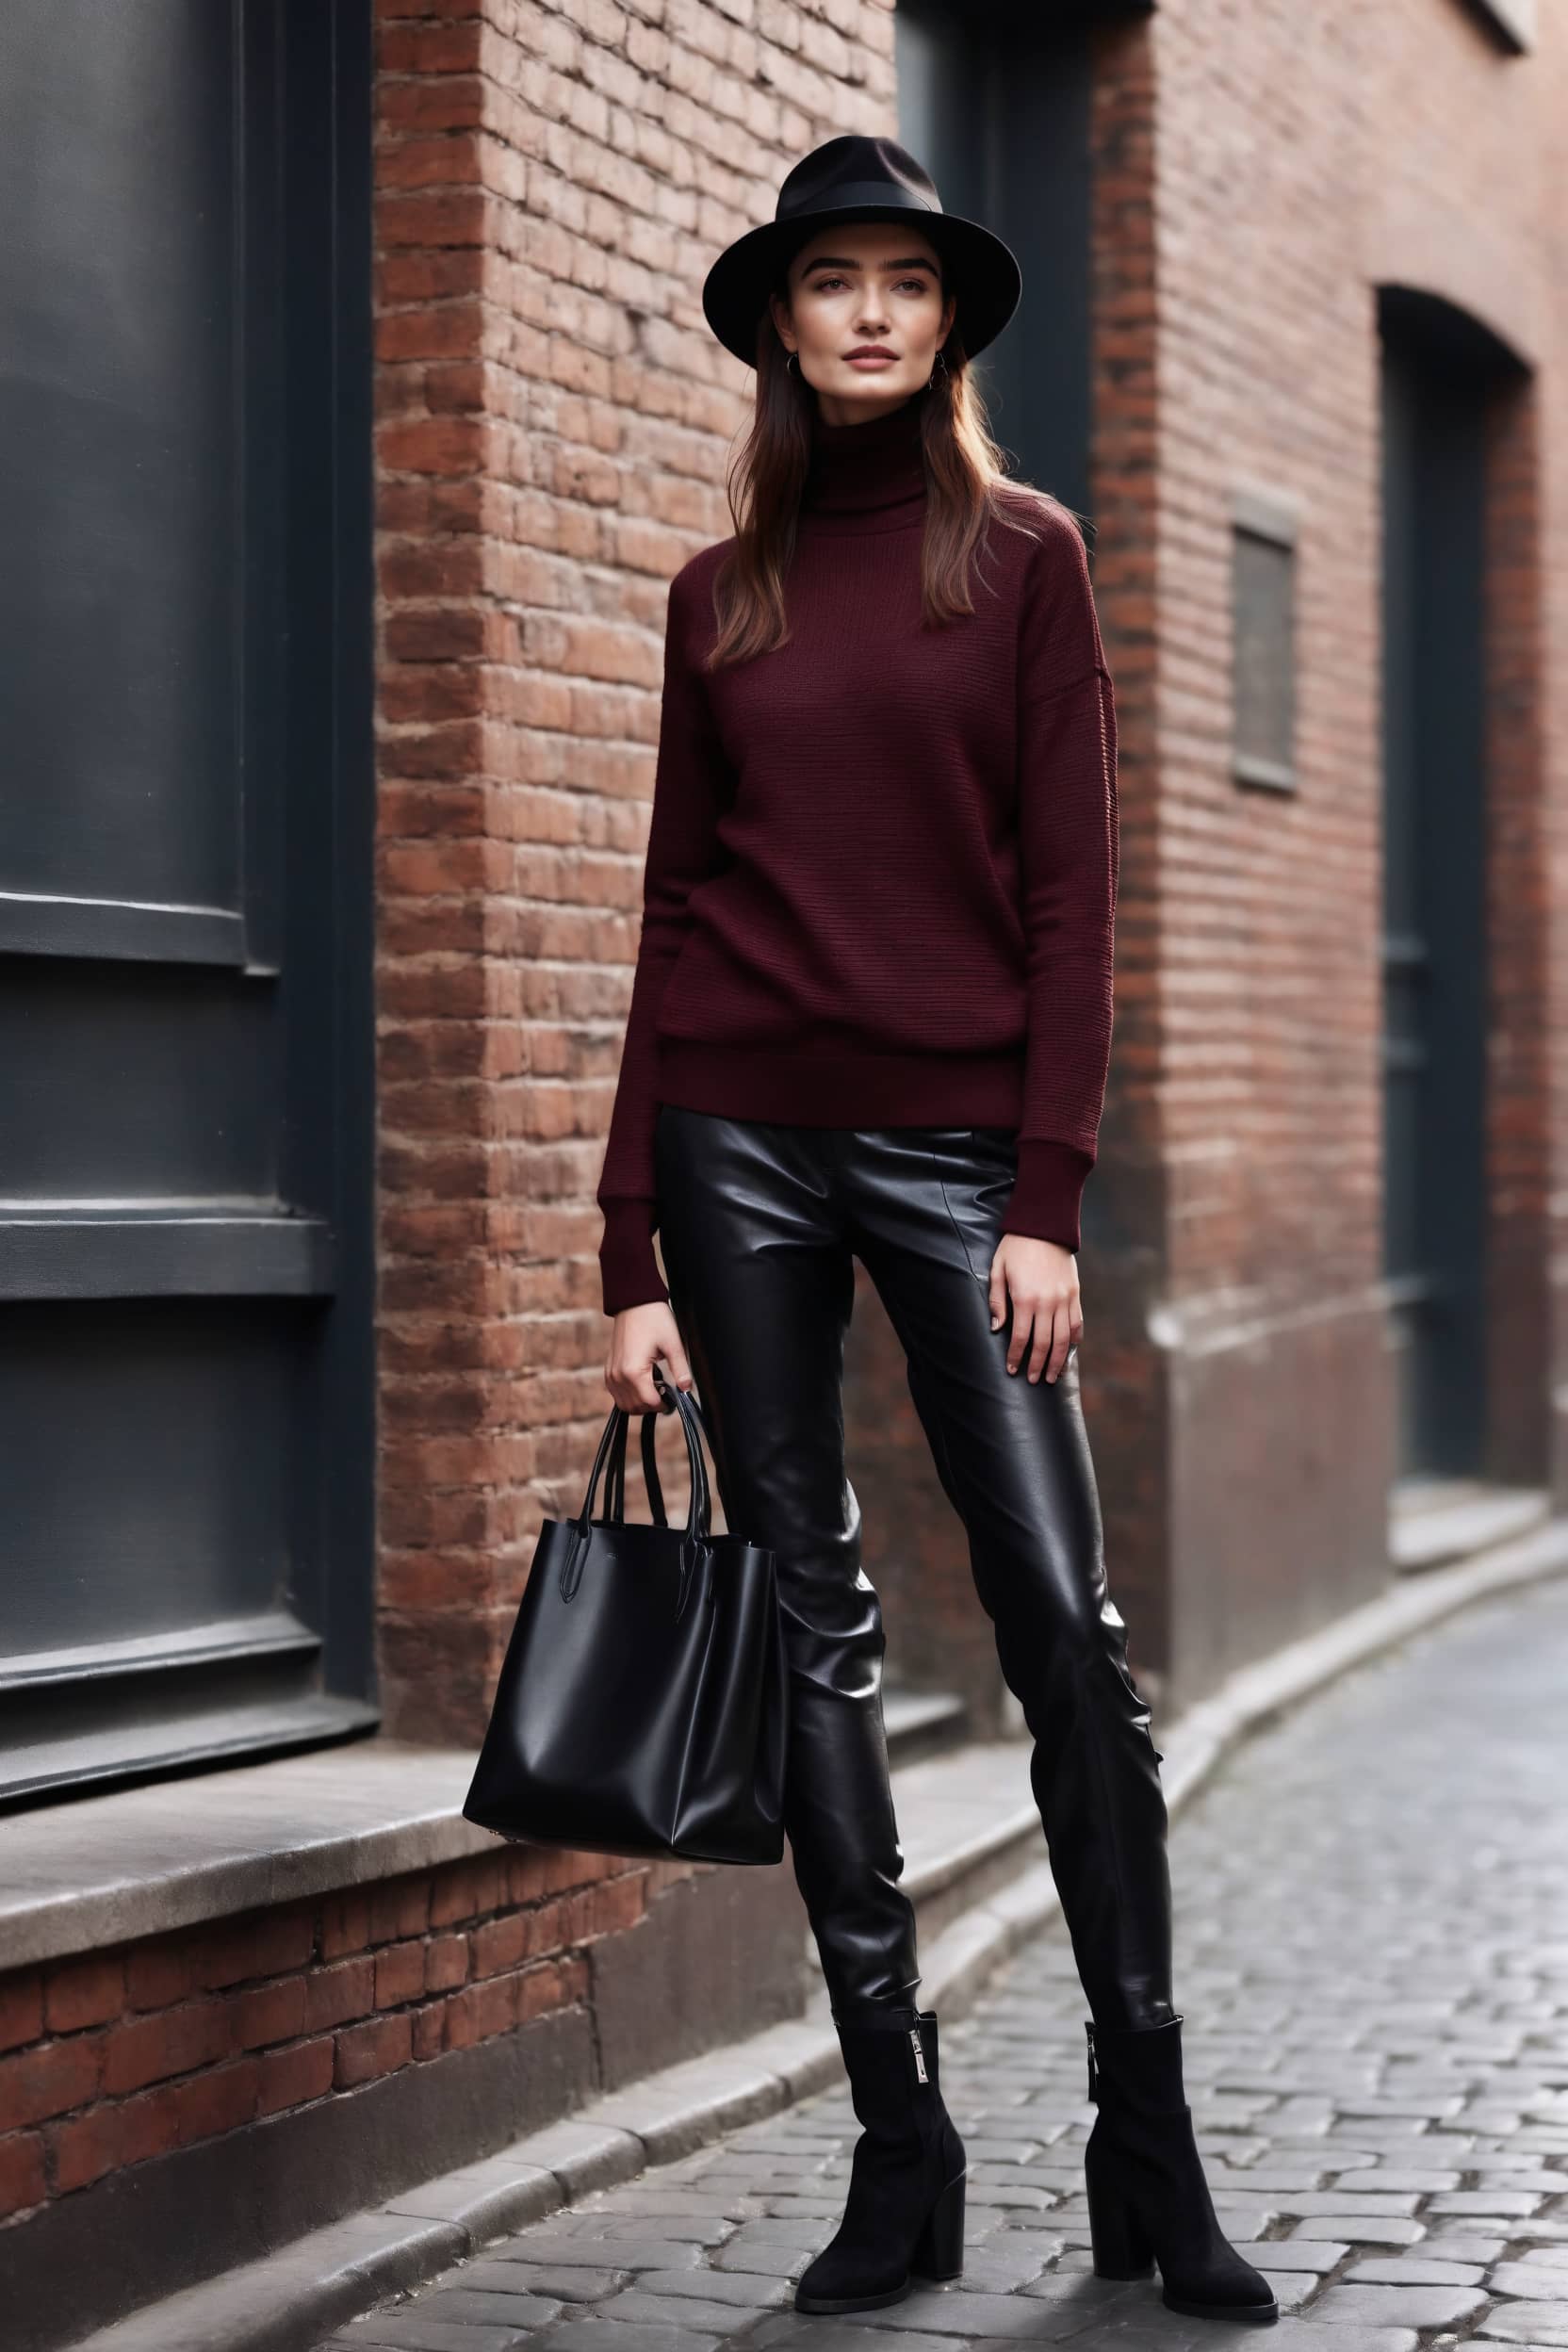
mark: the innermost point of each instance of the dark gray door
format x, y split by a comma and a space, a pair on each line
184, 857
1435, 387
994, 100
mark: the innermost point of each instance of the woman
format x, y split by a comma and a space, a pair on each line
872, 1018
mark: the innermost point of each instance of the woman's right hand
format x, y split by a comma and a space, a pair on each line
639, 1338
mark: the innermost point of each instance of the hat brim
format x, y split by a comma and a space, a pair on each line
989, 282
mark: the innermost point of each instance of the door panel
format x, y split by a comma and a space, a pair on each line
994, 100
1434, 945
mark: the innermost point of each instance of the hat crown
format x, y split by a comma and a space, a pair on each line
859, 171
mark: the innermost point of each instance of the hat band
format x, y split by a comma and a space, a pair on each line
869, 192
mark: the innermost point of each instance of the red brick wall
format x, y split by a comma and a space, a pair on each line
123, 2055
553, 422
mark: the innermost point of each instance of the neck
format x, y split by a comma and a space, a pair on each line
866, 468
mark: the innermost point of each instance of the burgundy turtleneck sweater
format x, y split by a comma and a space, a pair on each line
881, 869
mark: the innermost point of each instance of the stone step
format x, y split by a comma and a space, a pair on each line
922, 1722
1433, 1522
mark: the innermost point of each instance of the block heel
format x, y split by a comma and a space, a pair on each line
940, 2249
1123, 2248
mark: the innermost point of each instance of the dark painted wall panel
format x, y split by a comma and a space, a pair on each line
117, 417
135, 1082
149, 1464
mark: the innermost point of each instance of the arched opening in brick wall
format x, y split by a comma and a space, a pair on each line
1465, 1082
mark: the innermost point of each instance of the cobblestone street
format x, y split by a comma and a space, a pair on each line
1372, 1923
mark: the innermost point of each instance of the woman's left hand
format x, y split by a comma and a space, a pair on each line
1042, 1279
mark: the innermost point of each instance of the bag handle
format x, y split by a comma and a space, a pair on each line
689, 1405
615, 1484
695, 1540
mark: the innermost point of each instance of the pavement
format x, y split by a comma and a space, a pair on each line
1372, 1960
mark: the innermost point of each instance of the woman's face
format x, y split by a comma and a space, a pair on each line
857, 285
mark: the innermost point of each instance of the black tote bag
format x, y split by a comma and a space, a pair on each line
642, 1704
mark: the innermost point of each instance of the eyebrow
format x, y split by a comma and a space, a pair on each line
836, 261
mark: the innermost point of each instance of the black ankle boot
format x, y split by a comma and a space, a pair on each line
905, 2216
1148, 2202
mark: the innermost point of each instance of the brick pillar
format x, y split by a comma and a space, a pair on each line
553, 422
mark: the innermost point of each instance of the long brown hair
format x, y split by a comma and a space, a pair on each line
966, 483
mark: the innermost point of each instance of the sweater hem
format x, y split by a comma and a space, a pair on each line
847, 1088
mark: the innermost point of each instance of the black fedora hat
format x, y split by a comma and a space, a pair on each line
851, 178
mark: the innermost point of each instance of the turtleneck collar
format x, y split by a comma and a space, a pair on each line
870, 474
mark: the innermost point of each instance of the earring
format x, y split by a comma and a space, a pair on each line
791, 359
941, 363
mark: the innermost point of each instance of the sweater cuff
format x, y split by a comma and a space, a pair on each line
1048, 1192
628, 1268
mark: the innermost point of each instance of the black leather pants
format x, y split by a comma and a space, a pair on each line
758, 1224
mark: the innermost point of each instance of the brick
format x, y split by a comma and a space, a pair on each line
264, 1944
22, 2183
399, 1974
106, 2138
169, 2042
554, 1986
400, 1908
335, 1995
428, 2030
160, 1972
48, 2079
21, 2010
215, 2102
482, 2010
84, 1992
467, 1891
499, 1944
364, 2051
345, 1924
291, 2077
270, 2013
446, 1963
606, 1909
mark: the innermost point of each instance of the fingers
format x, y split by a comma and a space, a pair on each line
642, 1337
643, 1395
1059, 1344
674, 1357
1047, 1326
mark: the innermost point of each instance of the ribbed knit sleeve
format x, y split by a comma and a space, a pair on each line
1068, 844
692, 783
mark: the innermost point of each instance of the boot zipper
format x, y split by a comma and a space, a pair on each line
1094, 2071
920, 2074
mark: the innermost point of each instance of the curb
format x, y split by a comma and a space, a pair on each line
289, 2300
